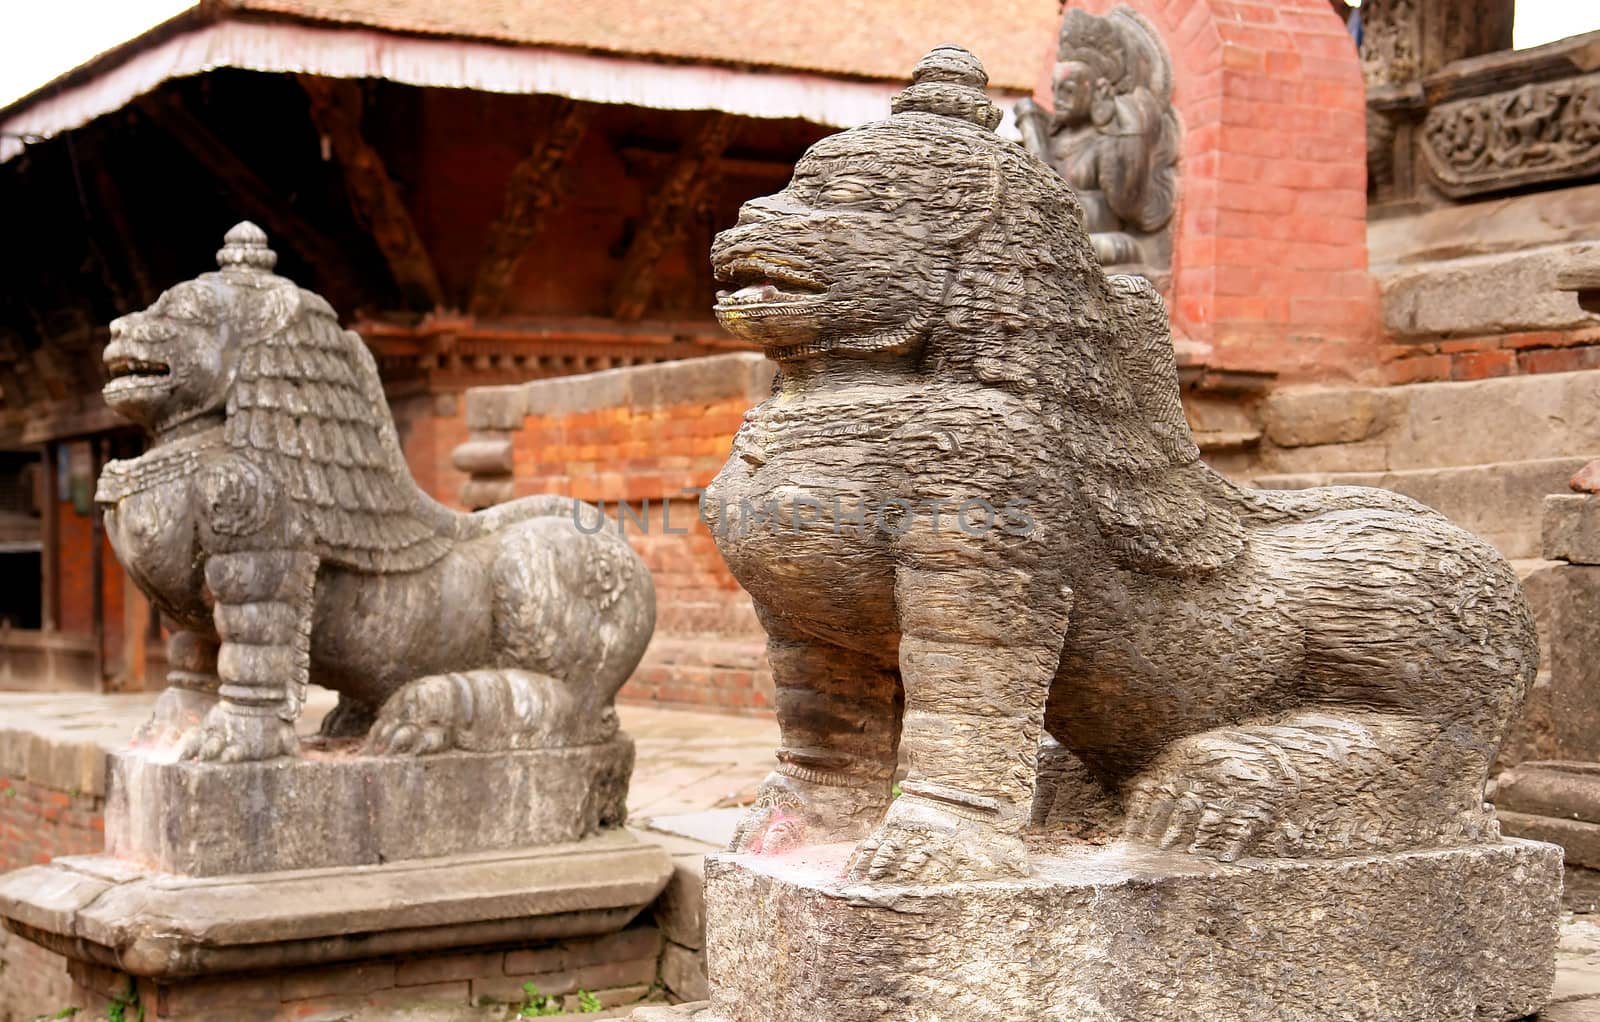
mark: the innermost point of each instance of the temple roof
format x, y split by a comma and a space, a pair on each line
832, 62
857, 38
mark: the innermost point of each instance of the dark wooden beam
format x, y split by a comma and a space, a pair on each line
124, 253
374, 197
53, 371
532, 191
12, 370
692, 176
255, 199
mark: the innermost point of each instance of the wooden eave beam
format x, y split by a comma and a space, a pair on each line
255, 199
534, 188
136, 278
374, 197
688, 181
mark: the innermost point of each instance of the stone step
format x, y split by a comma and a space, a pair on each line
1504, 503
1432, 425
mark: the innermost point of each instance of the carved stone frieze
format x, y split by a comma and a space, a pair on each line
1546, 131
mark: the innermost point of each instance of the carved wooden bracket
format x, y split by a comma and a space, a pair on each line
374, 197
253, 197
692, 176
532, 191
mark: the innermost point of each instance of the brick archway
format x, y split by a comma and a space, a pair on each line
1270, 251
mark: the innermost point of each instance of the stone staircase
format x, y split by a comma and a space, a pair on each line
1485, 453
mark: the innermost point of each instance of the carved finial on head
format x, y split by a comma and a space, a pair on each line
245, 247
949, 81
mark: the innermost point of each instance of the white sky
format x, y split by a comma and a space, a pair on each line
40, 39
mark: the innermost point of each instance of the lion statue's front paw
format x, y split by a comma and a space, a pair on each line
922, 843
227, 736
789, 813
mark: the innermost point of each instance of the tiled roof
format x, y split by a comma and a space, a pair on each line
859, 38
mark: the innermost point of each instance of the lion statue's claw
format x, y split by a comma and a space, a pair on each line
1225, 829
920, 843
229, 737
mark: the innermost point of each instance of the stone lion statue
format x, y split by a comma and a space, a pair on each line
274, 524
972, 515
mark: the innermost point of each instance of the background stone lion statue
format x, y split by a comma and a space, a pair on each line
275, 525
972, 513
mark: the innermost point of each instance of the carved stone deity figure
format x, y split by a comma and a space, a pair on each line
274, 524
1113, 135
972, 515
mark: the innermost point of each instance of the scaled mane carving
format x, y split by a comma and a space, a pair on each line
306, 400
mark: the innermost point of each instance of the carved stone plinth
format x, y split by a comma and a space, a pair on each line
1127, 934
335, 808
105, 912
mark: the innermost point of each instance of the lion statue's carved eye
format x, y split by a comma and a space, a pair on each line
846, 190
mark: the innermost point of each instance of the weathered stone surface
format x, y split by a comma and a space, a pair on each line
336, 808
1533, 220
154, 924
1571, 528
1579, 840
275, 525
1487, 294
1500, 503
1437, 425
1566, 789
1124, 934
683, 971
644, 387
681, 909
1303, 418
1573, 619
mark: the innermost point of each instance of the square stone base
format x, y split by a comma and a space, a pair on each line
102, 912
1125, 934
333, 807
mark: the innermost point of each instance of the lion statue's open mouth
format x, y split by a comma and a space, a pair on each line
1230, 672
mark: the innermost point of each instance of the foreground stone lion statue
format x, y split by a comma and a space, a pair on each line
275, 525
973, 514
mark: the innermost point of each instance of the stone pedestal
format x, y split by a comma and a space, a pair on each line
332, 807
277, 890
1126, 934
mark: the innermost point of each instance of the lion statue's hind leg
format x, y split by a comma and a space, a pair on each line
484, 711
1315, 784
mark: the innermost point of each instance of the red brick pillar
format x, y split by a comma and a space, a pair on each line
1270, 252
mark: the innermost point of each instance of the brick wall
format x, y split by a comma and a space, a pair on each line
1481, 358
52, 802
645, 436
1270, 254
617, 969
431, 426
